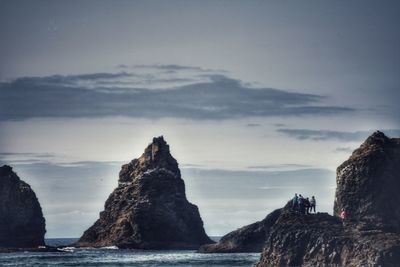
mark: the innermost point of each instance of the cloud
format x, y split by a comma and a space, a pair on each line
210, 97
14, 158
324, 135
288, 166
253, 125
26, 154
169, 67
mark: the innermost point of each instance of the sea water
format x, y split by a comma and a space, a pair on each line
111, 256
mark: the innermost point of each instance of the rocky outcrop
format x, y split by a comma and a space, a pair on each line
321, 240
148, 209
21, 219
366, 189
368, 184
250, 238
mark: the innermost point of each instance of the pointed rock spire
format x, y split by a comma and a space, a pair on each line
377, 138
148, 209
156, 156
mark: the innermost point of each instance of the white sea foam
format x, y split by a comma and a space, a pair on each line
110, 247
67, 249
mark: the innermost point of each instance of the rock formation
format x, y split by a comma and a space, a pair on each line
321, 240
21, 219
250, 238
148, 209
368, 184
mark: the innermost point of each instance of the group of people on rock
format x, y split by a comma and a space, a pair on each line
303, 205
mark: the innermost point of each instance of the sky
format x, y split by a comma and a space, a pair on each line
258, 100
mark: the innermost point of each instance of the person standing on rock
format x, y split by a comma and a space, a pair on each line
307, 205
294, 202
300, 202
343, 217
313, 204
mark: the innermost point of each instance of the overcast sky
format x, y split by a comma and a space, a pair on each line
258, 99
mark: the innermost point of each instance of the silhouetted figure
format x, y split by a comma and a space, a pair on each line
343, 216
307, 206
313, 204
300, 202
295, 205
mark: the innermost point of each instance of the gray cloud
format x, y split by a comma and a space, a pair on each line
218, 98
253, 125
280, 166
323, 135
26, 154
13, 158
169, 67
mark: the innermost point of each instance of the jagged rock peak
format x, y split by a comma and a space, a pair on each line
22, 224
377, 138
156, 156
157, 151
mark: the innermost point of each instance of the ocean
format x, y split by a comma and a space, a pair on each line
111, 256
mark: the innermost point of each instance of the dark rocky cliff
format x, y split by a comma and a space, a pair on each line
321, 240
367, 188
368, 184
21, 219
148, 209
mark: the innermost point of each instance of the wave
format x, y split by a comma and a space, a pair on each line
109, 247
67, 249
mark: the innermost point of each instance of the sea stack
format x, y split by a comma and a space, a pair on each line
367, 188
368, 184
148, 209
22, 224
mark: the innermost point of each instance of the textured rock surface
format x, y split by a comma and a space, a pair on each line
368, 184
250, 238
149, 208
321, 240
366, 188
21, 219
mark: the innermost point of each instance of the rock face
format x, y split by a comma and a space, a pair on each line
148, 209
21, 219
321, 240
368, 184
366, 188
250, 238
